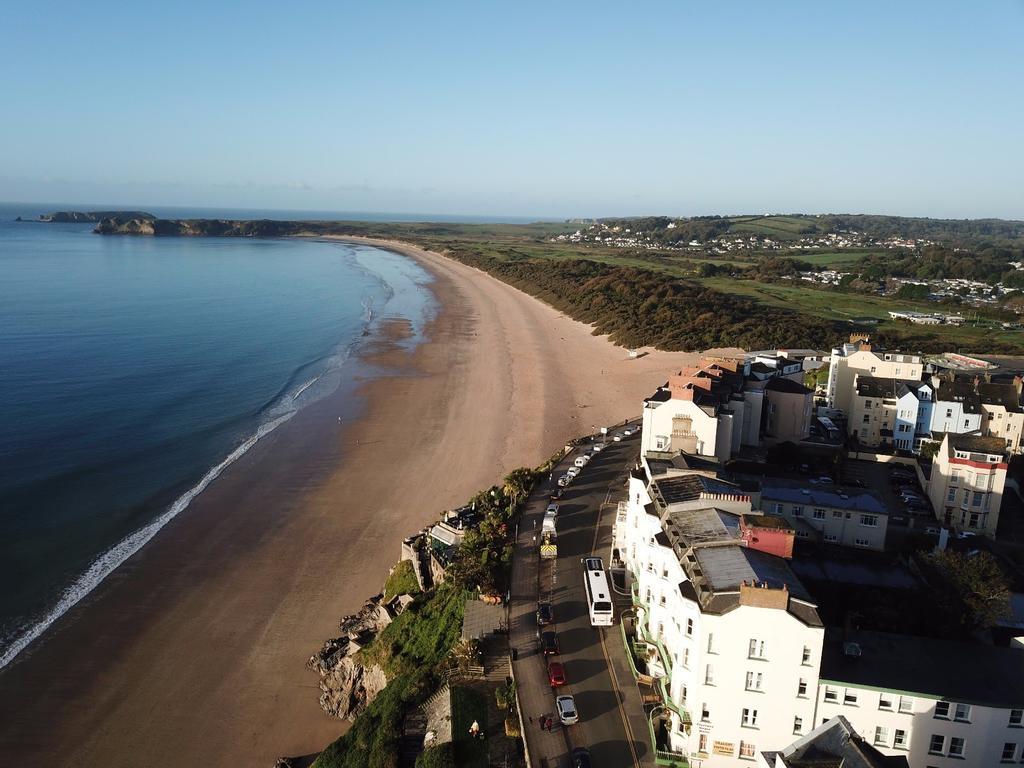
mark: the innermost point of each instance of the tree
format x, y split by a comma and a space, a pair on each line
972, 588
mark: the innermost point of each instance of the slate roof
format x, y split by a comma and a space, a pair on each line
672, 490
835, 497
959, 672
977, 443
833, 744
781, 384
960, 392
1000, 394
873, 386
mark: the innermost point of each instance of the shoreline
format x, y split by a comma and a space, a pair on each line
196, 646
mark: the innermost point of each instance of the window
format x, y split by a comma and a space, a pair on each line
962, 713
1009, 752
869, 521
798, 724
756, 650
885, 701
753, 681
942, 710
850, 698
689, 627
881, 736
749, 719
702, 743
972, 522
899, 739
1016, 718
711, 642
949, 413
831, 694
777, 508
956, 746
837, 514
798, 511
686, 657
705, 713
867, 418
746, 749
819, 514
937, 744
867, 403
951, 496
976, 502
801, 688
831, 538
805, 658
709, 675
906, 704
861, 543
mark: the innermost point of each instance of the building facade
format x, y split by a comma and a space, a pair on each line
858, 358
849, 517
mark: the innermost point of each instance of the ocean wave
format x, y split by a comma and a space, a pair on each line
106, 563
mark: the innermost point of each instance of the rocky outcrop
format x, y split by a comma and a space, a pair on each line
347, 686
64, 217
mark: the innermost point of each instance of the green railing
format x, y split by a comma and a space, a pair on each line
634, 590
663, 756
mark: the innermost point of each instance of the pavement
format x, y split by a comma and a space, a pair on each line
612, 723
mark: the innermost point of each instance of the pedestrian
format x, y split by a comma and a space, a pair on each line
531, 719
551, 724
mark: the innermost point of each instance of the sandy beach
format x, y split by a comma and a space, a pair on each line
193, 652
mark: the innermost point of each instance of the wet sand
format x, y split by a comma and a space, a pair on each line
193, 652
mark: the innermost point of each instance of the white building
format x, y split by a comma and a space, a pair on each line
857, 357
966, 483
957, 408
940, 703
729, 630
849, 517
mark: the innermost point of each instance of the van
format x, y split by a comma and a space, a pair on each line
548, 526
581, 461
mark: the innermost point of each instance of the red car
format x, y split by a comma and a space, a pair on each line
556, 674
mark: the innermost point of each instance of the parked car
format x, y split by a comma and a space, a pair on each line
598, 447
556, 674
545, 614
556, 494
564, 480
580, 758
573, 472
549, 644
566, 706
617, 437
552, 509
581, 461
627, 432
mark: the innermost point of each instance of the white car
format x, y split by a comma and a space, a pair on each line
572, 472
567, 713
552, 509
617, 437
581, 461
598, 447
564, 480
627, 432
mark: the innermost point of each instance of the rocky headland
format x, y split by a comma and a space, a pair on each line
84, 217
122, 224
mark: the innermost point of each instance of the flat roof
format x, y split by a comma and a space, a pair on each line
967, 673
725, 568
672, 490
837, 497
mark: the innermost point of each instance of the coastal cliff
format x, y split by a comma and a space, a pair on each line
84, 217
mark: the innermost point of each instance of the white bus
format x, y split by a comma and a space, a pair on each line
599, 594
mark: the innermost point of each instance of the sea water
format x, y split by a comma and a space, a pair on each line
133, 370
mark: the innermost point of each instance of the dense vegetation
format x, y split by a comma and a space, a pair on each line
415, 648
639, 307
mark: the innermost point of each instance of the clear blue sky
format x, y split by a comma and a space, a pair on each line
551, 109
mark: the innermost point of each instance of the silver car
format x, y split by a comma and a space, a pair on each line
567, 713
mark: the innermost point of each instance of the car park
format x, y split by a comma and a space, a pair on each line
545, 614
552, 509
556, 674
566, 706
549, 644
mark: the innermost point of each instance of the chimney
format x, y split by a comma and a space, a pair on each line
764, 596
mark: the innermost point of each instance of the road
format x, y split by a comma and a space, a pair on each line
611, 718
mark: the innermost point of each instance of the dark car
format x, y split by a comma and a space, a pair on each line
580, 758
545, 614
556, 674
557, 494
549, 643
